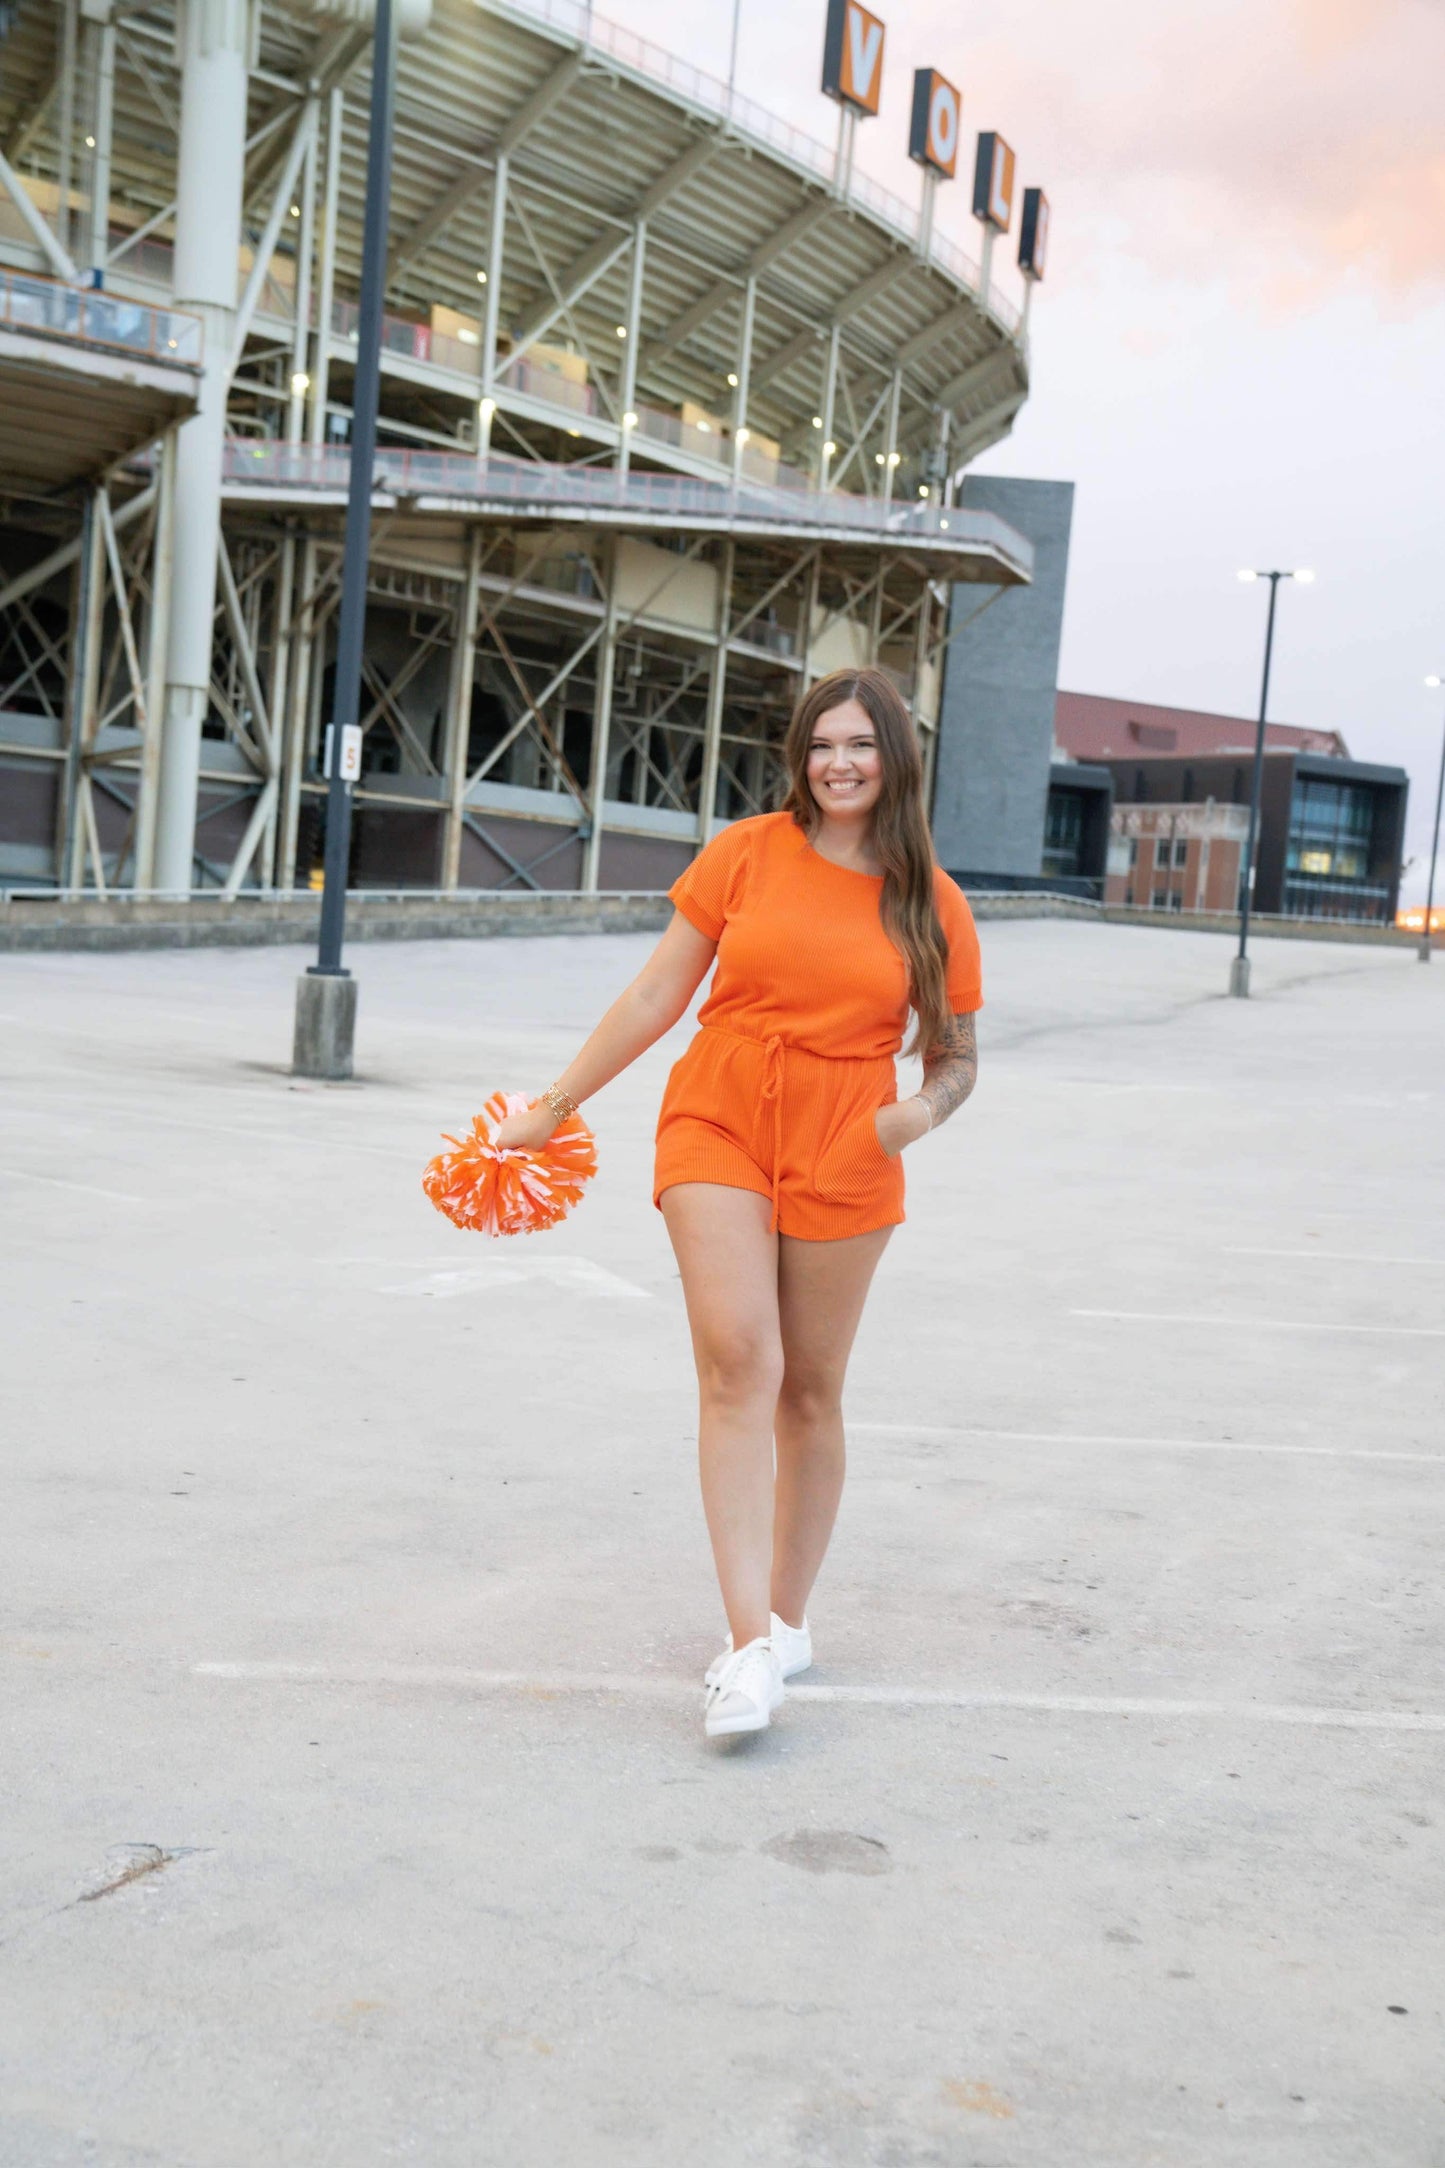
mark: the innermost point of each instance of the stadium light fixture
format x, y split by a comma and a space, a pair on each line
300, 381
733, 378
629, 420
481, 278
817, 421
622, 331
1239, 965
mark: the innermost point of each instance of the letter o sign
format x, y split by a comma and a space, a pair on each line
944, 123
936, 128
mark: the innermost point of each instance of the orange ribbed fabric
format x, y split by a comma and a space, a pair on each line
797, 1038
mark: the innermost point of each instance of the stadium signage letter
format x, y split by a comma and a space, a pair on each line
1034, 234
937, 122
993, 182
853, 56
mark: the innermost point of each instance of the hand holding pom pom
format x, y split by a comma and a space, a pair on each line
510, 1189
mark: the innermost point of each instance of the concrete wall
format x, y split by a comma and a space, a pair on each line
997, 720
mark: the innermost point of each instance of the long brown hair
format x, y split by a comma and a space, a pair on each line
900, 833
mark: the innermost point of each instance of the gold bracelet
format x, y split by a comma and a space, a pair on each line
562, 1104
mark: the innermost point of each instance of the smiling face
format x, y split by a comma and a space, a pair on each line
845, 762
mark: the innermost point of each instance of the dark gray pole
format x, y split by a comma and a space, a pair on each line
326, 994
346, 699
1434, 850
1239, 976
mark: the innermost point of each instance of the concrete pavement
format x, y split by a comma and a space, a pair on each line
357, 1598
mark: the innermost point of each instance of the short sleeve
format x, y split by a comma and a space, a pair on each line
707, 892
964, 979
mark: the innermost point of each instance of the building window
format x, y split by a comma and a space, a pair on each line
1181, 850
1064, 833
1328, 851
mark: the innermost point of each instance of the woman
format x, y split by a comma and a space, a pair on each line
781, 1130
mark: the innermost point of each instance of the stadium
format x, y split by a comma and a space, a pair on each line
675, 404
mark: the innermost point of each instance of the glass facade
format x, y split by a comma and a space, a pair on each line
1328, 852
1064, 832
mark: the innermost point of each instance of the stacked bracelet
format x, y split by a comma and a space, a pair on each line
562, 1104
928, 1109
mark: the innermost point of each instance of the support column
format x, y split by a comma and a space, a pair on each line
810, 613
163, 550
208, 241
87, 599
890, 441
633, 328
102, 127
830, 401
65, 124
326, 292
301, 323
491, 317
601, 725
745, 370
459, 711
716, 695
304, 636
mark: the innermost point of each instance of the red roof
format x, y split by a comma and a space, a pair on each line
1095, 726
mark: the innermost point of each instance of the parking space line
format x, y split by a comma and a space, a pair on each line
655, 1688
1261, 1324
1339, 1257
1163, 1445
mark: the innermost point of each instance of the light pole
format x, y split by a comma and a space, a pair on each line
1434, 679
1239, 967
326, 995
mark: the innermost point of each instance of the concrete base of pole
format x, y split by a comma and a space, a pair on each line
1422, 953
1239, 976
325, 1025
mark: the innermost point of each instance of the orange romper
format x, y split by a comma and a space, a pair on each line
796, 1042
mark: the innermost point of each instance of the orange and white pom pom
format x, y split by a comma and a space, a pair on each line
496, 1190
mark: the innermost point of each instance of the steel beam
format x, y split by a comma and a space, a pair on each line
55, 254
533, 110
586, 268
722, 290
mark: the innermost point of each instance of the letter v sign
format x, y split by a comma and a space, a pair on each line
865, 59
853, 56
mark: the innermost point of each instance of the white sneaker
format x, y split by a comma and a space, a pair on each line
794, 1646
743, 1693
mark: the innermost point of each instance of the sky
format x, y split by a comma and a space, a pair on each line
1238, 355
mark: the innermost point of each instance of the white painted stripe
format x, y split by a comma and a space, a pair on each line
1262, 1324
87, 1189
655, 1688
1164, 1445
1339, 1257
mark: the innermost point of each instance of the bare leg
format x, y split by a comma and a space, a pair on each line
822, 1287
729, 1265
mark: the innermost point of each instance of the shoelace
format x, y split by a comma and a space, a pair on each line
738, 1674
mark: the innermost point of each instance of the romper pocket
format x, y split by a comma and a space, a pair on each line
854, 1162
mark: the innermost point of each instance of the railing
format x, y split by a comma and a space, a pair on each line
500, 479
94, 318
575, 18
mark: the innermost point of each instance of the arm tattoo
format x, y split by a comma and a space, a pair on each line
951, 1070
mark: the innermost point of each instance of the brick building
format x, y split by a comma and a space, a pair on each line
1176, 857
1331, 832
